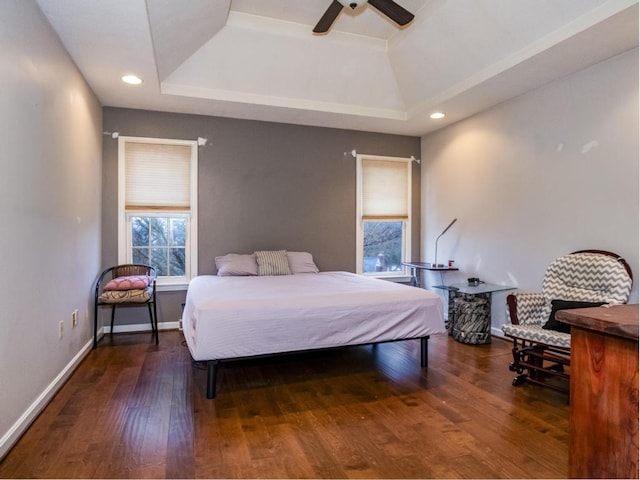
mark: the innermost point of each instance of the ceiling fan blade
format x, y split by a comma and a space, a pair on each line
392, 10
329, 17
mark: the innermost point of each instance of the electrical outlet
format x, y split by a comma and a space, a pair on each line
74, 318
60, 328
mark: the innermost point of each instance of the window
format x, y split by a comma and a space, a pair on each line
159, 240
157, 200
383, 231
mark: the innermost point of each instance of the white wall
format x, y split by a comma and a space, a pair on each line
547, 173
50, 159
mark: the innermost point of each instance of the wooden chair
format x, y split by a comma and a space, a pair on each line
126, 285
540, 355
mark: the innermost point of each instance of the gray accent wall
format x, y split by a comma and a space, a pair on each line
261, 186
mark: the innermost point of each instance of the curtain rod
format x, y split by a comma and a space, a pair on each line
201, 141
354, 154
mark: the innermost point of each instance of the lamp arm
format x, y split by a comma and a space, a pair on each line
443, 232
448, 227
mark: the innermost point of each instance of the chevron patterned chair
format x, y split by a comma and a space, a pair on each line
541, 344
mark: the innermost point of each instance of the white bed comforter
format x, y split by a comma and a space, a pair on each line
230, 317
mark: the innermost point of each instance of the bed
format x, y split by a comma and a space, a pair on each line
233, 317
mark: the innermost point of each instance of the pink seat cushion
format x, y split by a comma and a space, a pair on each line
132, 282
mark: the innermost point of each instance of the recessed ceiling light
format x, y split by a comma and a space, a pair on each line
131, 79
437, 115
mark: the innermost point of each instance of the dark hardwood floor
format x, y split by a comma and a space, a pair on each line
134, 410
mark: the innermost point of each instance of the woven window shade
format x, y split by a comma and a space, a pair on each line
385, 190
157, 176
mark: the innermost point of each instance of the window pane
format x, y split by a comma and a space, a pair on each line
159, 231
140, 255
382, 247
140, 231
178, 232
176, 262
159, 260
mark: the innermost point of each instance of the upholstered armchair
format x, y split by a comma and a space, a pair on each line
541, 344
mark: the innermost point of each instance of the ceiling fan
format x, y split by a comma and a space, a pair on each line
387, 7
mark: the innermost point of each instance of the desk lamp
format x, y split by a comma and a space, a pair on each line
435, 263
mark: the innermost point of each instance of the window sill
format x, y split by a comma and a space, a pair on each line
171, 287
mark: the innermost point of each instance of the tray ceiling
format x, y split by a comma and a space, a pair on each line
259, 59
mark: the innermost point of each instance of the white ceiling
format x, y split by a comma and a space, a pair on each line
258, 59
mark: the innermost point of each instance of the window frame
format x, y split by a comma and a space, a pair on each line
124, 223
406, 224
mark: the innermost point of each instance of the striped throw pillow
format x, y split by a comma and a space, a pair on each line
272, 262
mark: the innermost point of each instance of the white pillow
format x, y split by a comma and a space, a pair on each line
234, 264
301, 262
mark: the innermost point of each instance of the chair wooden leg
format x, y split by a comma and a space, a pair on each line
519, 352
529, 363
537, 361
519, 380
515, 365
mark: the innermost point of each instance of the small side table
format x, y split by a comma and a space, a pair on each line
470, 311
416, 266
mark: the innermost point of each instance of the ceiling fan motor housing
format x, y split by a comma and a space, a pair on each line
387, 7
352, 4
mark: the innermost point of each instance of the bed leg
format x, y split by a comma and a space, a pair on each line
424, 352
212, 373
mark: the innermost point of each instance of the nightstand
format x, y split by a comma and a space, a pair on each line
470, 311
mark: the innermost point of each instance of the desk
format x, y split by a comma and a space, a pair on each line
470, 311
603, 418
416, 266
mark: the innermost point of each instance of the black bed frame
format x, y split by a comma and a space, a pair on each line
212, 365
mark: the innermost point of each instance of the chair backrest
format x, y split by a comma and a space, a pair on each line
132, 269
590, 276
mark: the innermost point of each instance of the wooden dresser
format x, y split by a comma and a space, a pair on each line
604, 391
